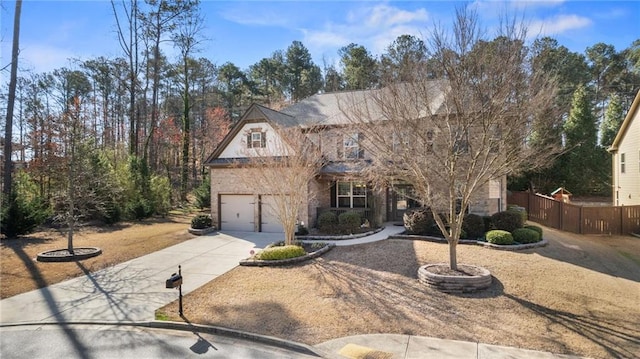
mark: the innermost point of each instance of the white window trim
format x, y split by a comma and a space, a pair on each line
351, 195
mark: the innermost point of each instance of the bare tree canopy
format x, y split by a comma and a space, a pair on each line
284, 162
450, 137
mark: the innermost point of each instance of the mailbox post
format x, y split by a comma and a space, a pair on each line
175, 281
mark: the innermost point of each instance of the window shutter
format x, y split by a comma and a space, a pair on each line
360, 141
249, 140
263, 140
333, 194
339, 146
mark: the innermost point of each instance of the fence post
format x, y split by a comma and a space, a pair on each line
561, 215
580, 220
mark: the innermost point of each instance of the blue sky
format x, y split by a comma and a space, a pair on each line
243, 32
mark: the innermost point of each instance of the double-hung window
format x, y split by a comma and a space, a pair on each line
256, 139
351, 146
622, 163
352, 194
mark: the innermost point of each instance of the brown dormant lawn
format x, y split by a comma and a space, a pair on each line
579, 295
20, 272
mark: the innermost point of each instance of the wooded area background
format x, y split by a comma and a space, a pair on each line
132, 132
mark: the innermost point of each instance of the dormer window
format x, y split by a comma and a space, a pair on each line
256, 139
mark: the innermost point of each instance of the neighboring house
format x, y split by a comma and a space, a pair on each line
338, 188
626, 158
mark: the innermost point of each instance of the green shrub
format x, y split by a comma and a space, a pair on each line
473, 225
302, 231
281, 252
201, 221
203, 194
535, 228
525, 235
507, 221
520, 210
419, 221
327, 222
139, 209
487, 223
349, 222
21, 215
498, 236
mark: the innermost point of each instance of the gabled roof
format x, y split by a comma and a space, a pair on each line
329, 109
255, 114
625, 124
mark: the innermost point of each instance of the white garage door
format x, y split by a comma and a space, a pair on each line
269, 221
236, 212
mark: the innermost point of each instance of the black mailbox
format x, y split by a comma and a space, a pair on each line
174, 281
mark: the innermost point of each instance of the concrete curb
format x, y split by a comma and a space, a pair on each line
156, 324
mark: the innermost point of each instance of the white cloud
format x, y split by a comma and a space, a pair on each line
256, 16
44, 58
559, 24
374, 27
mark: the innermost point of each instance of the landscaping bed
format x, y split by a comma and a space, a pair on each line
578, 295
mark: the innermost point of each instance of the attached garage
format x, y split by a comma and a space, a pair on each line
237, 212
269, 222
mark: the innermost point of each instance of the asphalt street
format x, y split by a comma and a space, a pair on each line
92, 341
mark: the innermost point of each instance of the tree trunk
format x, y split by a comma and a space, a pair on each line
11, 101
453, 258
185, 136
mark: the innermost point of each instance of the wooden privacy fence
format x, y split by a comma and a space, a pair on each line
578, 219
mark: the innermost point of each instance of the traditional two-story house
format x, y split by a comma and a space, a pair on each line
626, 159
339, 186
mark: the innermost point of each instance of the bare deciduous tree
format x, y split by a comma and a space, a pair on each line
450, 137
284, 166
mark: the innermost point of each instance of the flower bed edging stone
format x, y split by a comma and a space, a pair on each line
502, 247
63, 255
455, 284
282, 262
341, 237
203, 231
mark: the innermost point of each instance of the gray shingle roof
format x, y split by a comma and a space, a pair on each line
332, 108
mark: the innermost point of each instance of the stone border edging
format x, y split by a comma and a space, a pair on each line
159, 324
502, 247
43, 257
452, 283
341, 237
203, 231
282, 262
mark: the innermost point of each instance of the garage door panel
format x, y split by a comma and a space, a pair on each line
269, 220
237, 212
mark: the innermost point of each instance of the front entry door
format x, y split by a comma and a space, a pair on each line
401, 201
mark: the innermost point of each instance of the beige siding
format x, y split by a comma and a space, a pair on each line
238, 146
628, 183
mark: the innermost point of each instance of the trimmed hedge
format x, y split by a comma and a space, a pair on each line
507, 221
349, 222
535, 228
473, 226
281, 252
419, 221
201, 221
525, 235
327, 221
498, 236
